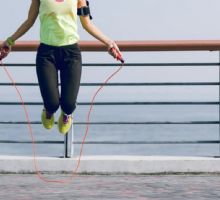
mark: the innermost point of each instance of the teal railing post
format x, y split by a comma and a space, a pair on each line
68, 143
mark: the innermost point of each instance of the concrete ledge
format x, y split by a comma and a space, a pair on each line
112, 164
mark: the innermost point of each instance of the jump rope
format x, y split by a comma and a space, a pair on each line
4, 51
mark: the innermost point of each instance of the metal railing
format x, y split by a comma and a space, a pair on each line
145, 46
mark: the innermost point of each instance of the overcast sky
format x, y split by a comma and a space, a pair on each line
133, 19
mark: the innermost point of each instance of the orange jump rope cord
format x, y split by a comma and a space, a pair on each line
36, 165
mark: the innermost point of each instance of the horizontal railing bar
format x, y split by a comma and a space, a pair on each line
130, 84
112, 142
124, 103
126, 64
151, 64
152, 142
150, 45
117, 123
19, 64
29, 142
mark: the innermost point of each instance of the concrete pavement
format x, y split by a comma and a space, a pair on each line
123, 177
93, 187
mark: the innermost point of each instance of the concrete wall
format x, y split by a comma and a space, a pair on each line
110, 164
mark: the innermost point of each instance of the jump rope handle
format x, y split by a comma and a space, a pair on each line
118, 55
4, 51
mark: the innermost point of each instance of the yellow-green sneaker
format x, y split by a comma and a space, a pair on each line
64, 123
47, 119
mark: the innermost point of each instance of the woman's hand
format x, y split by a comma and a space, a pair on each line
5, 49
113, 49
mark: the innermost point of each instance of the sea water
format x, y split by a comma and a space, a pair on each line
118, 133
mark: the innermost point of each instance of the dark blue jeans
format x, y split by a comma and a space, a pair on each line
67, 60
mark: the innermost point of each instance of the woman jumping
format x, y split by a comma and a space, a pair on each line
59, 51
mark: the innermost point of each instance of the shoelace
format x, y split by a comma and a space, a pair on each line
65, 118
48, 115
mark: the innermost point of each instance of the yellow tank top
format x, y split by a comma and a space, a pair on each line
58, 22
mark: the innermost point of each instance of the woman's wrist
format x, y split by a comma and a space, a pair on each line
110, 44
10, 41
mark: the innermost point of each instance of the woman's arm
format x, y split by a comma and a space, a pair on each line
95, 32
27, 24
